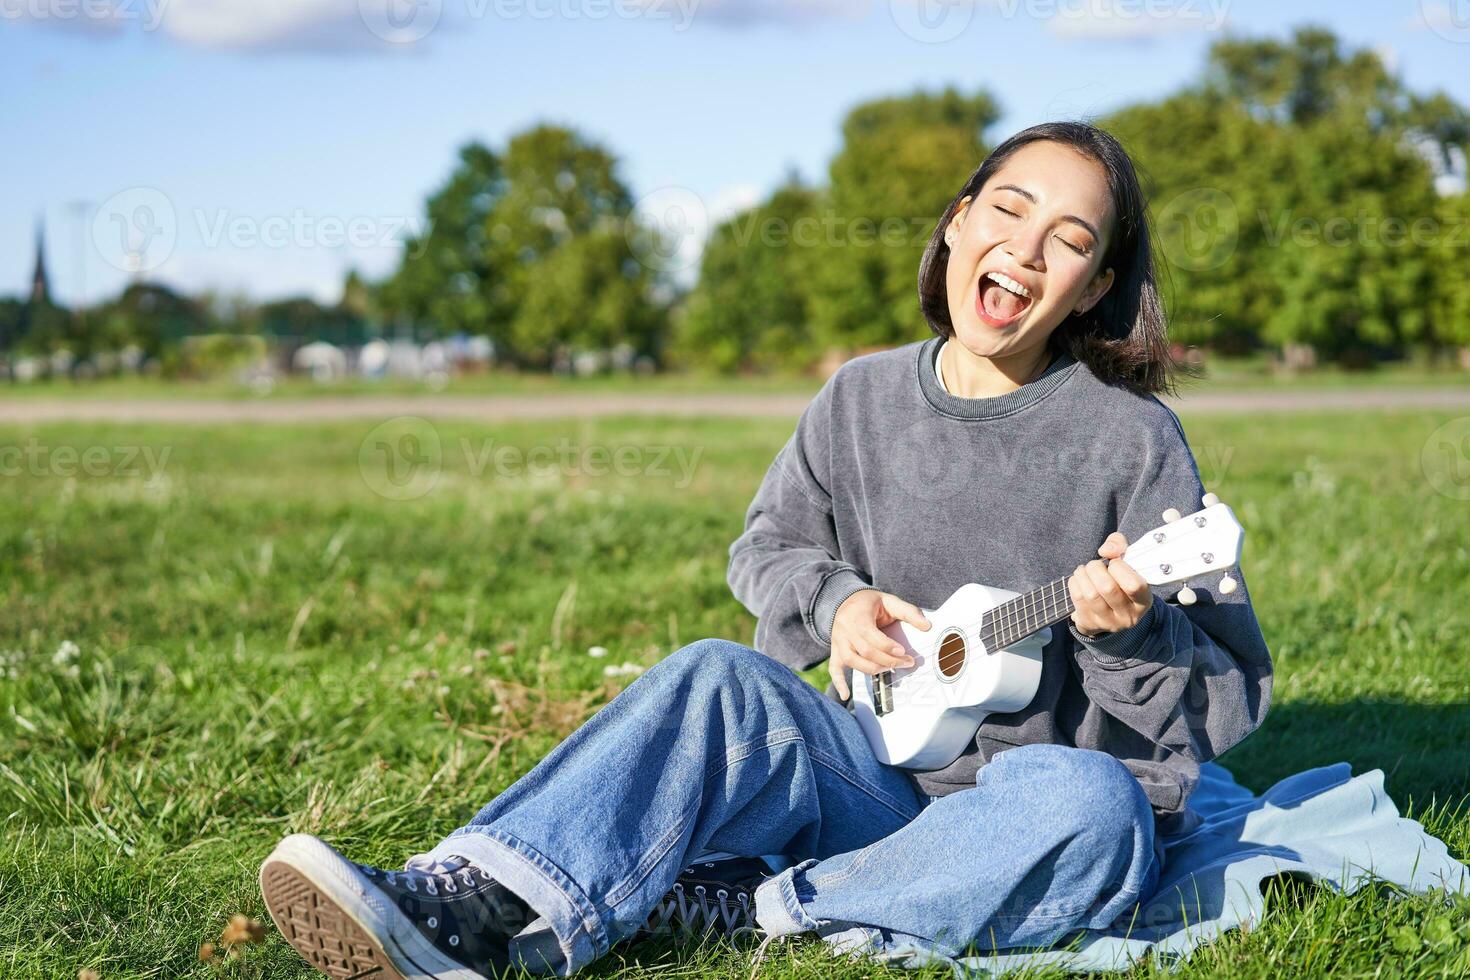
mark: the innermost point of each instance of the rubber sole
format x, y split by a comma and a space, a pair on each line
341, 923
324, 935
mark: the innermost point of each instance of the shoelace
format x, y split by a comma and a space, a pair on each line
430, 873
678, 909
759, 956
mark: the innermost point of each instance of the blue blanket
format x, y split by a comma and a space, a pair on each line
1324, 824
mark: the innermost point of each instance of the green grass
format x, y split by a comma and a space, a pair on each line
266, 645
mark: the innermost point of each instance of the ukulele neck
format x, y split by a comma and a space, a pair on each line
1015, 619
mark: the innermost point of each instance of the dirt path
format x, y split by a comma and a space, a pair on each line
498, 407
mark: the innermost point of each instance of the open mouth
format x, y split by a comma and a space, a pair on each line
1000, 301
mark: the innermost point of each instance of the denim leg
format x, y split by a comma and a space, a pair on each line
717, 747
1050, 839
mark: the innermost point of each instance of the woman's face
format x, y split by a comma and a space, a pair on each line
1040, 227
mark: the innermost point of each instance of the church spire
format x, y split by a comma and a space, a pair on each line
40, 285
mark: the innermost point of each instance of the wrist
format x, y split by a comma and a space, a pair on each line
836, 589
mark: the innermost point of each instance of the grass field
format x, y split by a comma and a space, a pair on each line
239, 633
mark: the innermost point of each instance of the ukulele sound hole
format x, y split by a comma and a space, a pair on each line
951, 655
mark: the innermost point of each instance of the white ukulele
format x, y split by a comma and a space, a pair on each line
982, 652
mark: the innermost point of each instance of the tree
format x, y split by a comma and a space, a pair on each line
150, 316
751, 307
1449, 298
12, 323
1289, 196
565, 221
303, 318
447, 281
507, 230
901, 163
588, 293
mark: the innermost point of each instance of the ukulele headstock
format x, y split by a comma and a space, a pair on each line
1186, 547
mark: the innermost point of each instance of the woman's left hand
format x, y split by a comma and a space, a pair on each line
1109, 597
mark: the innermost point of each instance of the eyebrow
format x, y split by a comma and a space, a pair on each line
1066, 217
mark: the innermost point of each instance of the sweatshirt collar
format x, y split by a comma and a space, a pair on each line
1062, 367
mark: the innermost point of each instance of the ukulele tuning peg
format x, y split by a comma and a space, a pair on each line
1227, 585
1171, 515
1186, 596
1210, 499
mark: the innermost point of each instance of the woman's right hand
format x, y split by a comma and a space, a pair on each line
858, 640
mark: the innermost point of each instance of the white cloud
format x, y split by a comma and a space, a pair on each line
261, 23
1126, 20
742, 13
251, 25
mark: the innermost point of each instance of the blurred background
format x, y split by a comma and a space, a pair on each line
426, 189
383, 382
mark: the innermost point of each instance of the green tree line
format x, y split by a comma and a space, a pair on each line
1301, 196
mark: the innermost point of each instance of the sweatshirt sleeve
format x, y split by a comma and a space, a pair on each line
1191, 679
787, 568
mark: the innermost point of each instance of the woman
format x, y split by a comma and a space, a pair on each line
1001, 455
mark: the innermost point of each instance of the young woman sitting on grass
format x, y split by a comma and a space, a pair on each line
1024, 434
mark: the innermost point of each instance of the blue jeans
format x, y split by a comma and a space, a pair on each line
720, 748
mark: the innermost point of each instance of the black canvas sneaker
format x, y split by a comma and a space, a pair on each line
450, 922
715, 897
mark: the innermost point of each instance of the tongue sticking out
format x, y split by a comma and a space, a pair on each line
1002, 303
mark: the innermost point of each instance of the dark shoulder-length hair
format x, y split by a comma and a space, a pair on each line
1123, 338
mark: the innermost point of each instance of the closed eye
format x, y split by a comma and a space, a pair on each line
1004, 210
1078, 250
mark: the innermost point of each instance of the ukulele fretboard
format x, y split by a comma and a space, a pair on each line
1015, 619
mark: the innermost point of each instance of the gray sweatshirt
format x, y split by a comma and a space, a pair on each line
891, 482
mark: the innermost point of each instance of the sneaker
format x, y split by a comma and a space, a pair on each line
451, 922
711, 897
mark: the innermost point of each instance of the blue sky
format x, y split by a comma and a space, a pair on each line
269, 145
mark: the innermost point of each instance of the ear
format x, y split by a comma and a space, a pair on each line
952, 232
1094, 292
